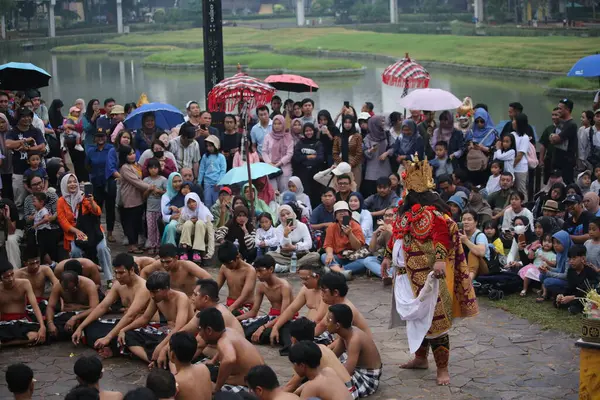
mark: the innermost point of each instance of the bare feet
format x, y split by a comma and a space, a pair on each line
417, 363
105, 352
443, 377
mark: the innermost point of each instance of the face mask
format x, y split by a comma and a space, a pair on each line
520, 229
159, 154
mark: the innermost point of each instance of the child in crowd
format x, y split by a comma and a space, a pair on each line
153, 198
584, 181
506, 152
441, 164
595, 186
555, 279
213, 167
70, 133
490, 228
266, 236
580, 278
194, 220
541, 254
493, 183
593, 243
41, 224
34, 159
396, 187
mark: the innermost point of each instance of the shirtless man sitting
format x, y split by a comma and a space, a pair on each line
309, 296
129, 290
240, 277
88, 371
15, 326
143, 261
193, 381
79, 297
37, 275
235, 354
184, 274
323, 383
304, 329
262, 380
83, 266
206, 295
363, 361
146, 341
279, 293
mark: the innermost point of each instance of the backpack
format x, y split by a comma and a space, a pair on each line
496, 286
477, 160
532, 160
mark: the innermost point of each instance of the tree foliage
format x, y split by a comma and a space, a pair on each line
367, 12
342, 9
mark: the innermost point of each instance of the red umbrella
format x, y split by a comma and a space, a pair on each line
228, 94
292, 83
406, 74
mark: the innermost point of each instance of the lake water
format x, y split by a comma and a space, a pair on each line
124, 78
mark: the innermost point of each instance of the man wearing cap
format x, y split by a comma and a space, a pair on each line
363, 123
590, 201
329, 177
565, 142
577, 219
550, 208
344, 235
97, 157
22, 140
117, 116
221, 210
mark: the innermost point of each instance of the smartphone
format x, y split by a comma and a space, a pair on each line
290, 221
460, 226
346, 220
346, 104
88, 189
203, 127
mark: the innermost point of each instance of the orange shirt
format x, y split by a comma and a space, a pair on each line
66, 219
338, 241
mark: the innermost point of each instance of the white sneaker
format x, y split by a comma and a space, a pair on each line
281, 269
78, 147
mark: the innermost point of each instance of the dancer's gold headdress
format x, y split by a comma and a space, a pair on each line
418, 176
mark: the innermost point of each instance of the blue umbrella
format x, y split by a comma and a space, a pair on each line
587, 67
21, 76
240, 174
165, 115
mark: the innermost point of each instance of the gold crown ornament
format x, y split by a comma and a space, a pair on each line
143, 100
418, 175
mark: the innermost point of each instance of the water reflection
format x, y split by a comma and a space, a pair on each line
99, 76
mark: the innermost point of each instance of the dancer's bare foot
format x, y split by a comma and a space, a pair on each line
443, 377
417, 363
105, 352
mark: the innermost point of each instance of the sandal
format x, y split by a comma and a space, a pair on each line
541, 299
523, 293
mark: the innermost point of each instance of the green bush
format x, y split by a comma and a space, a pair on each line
429, 28
464, 29
439, 17
565, 82
160, 16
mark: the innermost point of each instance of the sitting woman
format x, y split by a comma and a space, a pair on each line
295, 185
167, 160
249, 197
196, 220
378, 243
241, 232
293, 237
522, 239
71, 205
170, 211
361, 215
554, 280
290, 198
475, 245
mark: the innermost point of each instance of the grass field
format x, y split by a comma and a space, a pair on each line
574, 83
107, 47
257, 60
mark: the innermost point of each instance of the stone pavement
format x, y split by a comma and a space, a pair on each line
494, 356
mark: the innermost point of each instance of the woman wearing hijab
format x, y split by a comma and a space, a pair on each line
348, 147
55, 116
295, 186
378, 147
356, 202
196, 221
448, 133
296, 130
92, 113
409, 144
6, 168
69, 205
479, 140
327, 132
147, 134
554, 279
277, 150
481, 207
293, 237
308, 160
260, 205
170, 212
239, 229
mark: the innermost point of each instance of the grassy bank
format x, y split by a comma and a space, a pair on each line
259, 60
555, 54
109, 47
574, 83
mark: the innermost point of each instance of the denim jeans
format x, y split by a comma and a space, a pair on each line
554, 285
210, 196
354, 266
103, 257
373, 264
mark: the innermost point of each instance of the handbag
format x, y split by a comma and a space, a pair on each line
477, 160
353, 255
89, 224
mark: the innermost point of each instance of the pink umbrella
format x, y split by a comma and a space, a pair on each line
292, 83
406, 74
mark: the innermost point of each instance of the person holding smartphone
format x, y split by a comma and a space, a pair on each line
343, 240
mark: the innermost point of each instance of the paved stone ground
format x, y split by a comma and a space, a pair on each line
494, 356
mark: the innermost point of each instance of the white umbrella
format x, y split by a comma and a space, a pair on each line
430, 100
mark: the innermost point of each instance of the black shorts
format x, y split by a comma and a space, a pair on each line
98, 329
16, 330
148, 338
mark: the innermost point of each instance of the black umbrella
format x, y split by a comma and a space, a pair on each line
21, 76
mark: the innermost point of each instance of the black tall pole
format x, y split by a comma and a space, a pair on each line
212, 17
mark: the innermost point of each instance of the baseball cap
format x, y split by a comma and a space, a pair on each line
101, 132
568, 103
364, 116
117, 109
341, 169
573, 198
24, 111
226, 190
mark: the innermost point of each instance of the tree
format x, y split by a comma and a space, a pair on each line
6, 6
321, 6
342, 10
27, 10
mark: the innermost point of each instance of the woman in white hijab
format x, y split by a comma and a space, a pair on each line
295, 185
196, 220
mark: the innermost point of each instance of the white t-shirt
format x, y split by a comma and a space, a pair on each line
510, 214
522, 147
508, 157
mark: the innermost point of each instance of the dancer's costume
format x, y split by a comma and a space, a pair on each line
427, 305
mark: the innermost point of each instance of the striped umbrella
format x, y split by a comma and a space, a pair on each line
406, 74
237, 90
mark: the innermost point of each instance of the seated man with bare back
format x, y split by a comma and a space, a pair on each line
240, 277
235, 355
279, 293
183, 274
265, 385
146, 341
143, 261
309, 296
83, 266
129, 290
16, 328
362, 359
323, 383
89, 371
193, 380
37, 275
304, 329
79, 296
206, 295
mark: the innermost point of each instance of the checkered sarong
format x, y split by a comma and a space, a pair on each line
352, 389
29, 307
265, 318
366, 380
234, 388
324, 338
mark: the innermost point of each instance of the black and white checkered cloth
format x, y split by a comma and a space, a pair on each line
234, 388
265, 318
352, 389
324, 338
366, 380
